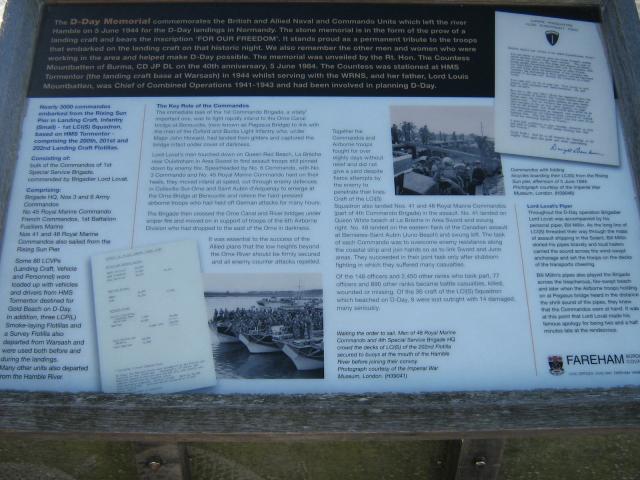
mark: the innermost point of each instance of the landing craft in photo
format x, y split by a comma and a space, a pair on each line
258, 333
305, 354
456, 159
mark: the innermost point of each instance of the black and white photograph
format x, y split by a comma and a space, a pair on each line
445, 150
266, 325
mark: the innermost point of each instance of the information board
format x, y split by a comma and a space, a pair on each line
357, 228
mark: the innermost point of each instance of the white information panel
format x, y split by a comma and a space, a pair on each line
346, 243
309, 242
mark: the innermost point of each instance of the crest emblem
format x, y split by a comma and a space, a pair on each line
556, 366
552, 37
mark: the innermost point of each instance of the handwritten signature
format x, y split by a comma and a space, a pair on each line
576, 150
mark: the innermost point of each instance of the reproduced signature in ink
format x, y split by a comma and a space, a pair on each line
577, 150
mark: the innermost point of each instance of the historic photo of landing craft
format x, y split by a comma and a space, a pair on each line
259, 333
445, 150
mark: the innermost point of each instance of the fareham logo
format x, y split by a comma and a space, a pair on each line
596, 359
552, 37
556, 367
